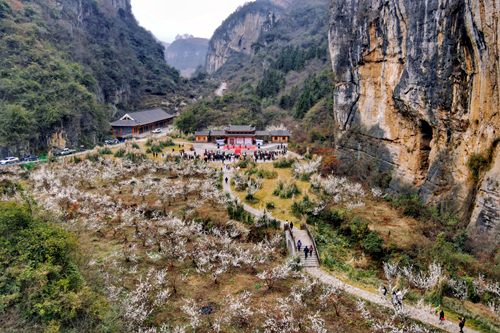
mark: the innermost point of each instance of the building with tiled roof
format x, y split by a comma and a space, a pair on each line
140, 122
241, 135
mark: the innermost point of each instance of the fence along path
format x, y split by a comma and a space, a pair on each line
312, 267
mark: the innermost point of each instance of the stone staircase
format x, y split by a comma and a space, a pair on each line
302, 235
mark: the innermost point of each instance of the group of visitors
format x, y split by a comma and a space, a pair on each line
308, 250
397, 300
267, 155
397, 297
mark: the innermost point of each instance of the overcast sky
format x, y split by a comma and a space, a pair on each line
167, 18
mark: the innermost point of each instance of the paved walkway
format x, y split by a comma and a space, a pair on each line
417, 314
327, 278
298, 234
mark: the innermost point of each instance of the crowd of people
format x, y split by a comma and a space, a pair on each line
226, 157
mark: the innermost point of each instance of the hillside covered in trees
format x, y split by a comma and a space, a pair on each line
67, 67
287, 78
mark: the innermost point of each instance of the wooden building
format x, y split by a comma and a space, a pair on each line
242, 135
140, 122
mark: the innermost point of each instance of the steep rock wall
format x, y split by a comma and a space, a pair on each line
417, 91
240, 30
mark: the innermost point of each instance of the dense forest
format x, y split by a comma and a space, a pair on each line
66, 68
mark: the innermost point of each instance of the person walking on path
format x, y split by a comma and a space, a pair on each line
299, 244
306, 251
461, 324
291, 226
384, 292
399, 297
394, 299
441, 317
226, 180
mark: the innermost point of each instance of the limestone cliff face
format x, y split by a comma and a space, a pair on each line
417, 90
240, 30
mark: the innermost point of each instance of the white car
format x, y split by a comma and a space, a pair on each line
9, 160
158, 130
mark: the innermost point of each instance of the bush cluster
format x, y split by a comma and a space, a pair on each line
38, 277
262, 173
283, 163
286, 190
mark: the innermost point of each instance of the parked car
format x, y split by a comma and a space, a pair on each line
155, 131
111, 142
30, 158
65, 151
9, 160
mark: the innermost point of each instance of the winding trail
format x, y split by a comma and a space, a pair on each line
220, 91
327, 278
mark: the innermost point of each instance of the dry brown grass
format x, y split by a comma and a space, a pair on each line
265, 194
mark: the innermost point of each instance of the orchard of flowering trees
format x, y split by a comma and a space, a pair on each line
164, 250
156, 241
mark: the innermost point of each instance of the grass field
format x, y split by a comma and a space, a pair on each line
265, 194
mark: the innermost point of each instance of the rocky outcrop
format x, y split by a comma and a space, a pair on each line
417, 91
240, 30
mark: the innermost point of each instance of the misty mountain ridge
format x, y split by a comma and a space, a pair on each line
186, 53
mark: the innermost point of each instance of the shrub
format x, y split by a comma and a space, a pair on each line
135, 146
93, 157
262, 173
357, 229
286, 191
119, 153
238, 213
105, 151
302, 207
383, 180
251, 199
478, 163
284, 163
135, 157
373, 244
247, 162
270, 205
38, 277
412, 206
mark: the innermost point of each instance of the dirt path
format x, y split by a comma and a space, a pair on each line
327, 278
220, 91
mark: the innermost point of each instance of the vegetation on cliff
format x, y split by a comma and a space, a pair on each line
287, 77
65, 67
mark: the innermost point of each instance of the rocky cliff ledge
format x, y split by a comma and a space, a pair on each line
240, 30
417, 90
